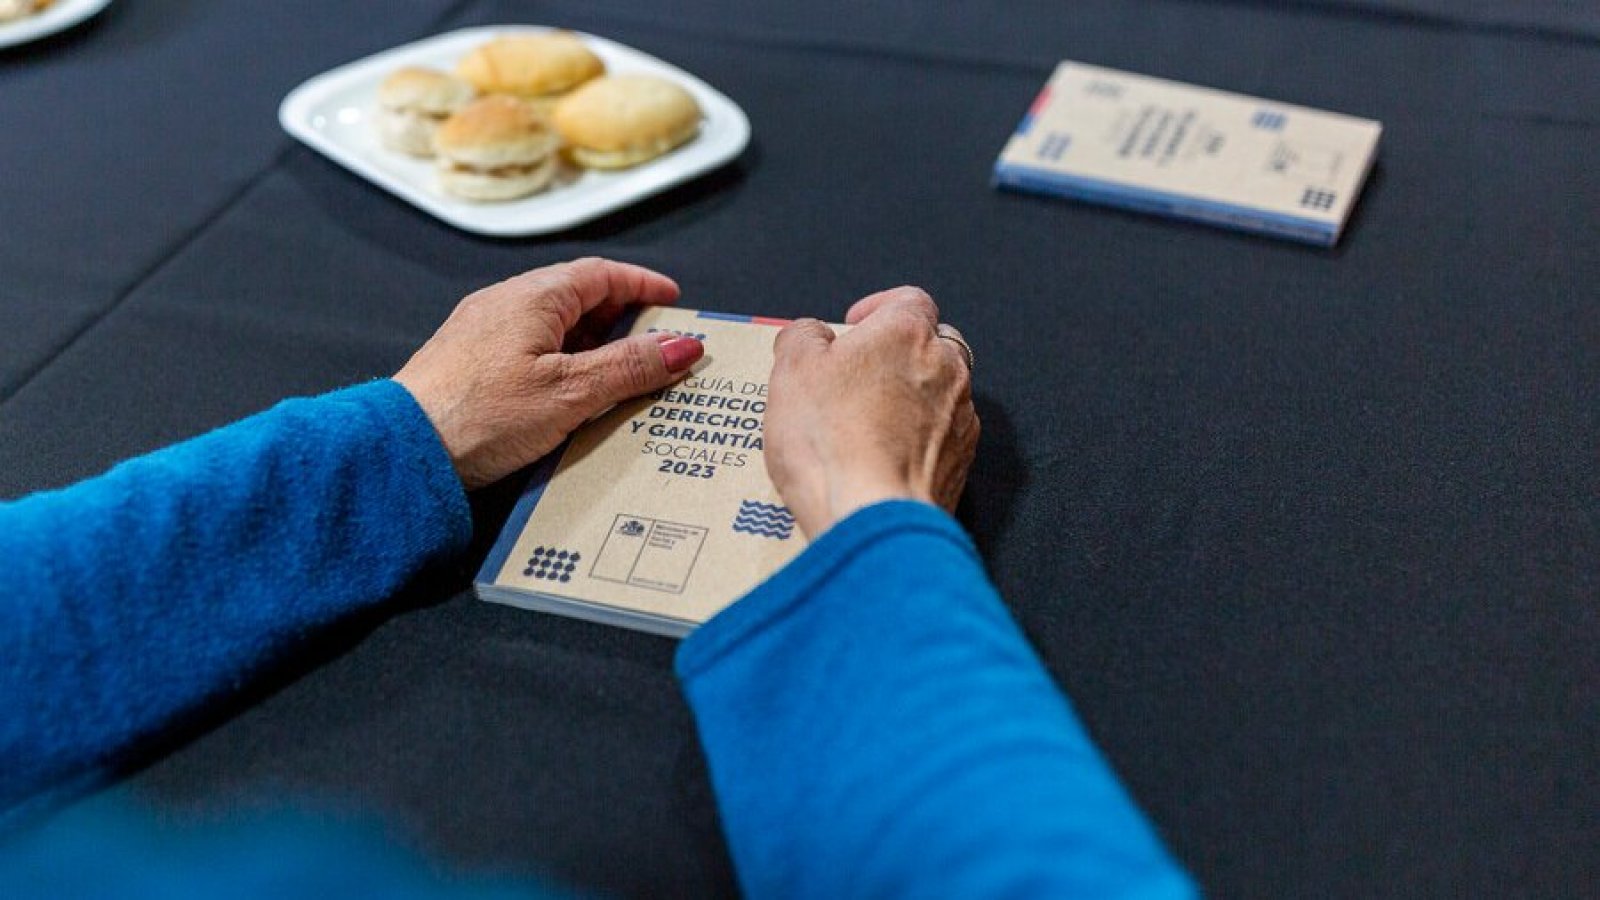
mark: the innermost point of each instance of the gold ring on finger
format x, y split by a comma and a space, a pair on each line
949, 333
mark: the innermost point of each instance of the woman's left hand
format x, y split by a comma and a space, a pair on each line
516, 367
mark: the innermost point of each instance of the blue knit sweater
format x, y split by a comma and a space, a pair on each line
875, 723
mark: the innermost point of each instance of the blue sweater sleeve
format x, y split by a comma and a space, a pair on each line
107, 849
131, 598
876, 725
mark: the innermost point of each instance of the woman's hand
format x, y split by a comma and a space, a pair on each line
883, 411
516, 368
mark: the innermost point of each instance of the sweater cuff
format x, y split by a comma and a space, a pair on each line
416, 445
779, 596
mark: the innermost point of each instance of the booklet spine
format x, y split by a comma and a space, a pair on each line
1174, 206
587, 610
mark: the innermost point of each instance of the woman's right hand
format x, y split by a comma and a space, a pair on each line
883, 411
519, 364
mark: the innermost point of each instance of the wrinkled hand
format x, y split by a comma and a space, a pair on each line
883, 411
516, 366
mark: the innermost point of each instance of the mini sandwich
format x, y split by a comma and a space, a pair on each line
536, 67
413, 103
497, 148
624, 120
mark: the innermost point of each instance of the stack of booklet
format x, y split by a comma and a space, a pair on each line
659, 513
1189, 152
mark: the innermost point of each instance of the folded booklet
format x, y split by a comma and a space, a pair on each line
1189, 152
658, 513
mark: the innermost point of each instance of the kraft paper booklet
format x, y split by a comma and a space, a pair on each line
1189, 152
659, 513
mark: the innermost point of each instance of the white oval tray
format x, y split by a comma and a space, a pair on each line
332, 113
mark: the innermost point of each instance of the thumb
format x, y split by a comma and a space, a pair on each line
605, 376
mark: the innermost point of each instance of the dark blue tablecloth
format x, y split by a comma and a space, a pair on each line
1312, 538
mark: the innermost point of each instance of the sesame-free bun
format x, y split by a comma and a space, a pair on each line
496, 148
623, 120
424, 90
495, 131
412, 103
531, 66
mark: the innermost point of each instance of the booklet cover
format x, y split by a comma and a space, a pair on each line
658, 513
1189, 152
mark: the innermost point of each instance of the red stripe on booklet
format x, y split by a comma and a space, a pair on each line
1039, 101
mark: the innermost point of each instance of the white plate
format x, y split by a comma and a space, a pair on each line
332, 113
59, 16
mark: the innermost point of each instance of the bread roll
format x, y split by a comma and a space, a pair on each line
412, 103
496, 148
535, 67
624, 120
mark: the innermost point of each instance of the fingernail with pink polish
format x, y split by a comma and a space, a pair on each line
681, 353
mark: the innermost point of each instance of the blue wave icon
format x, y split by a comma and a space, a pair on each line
764, 520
